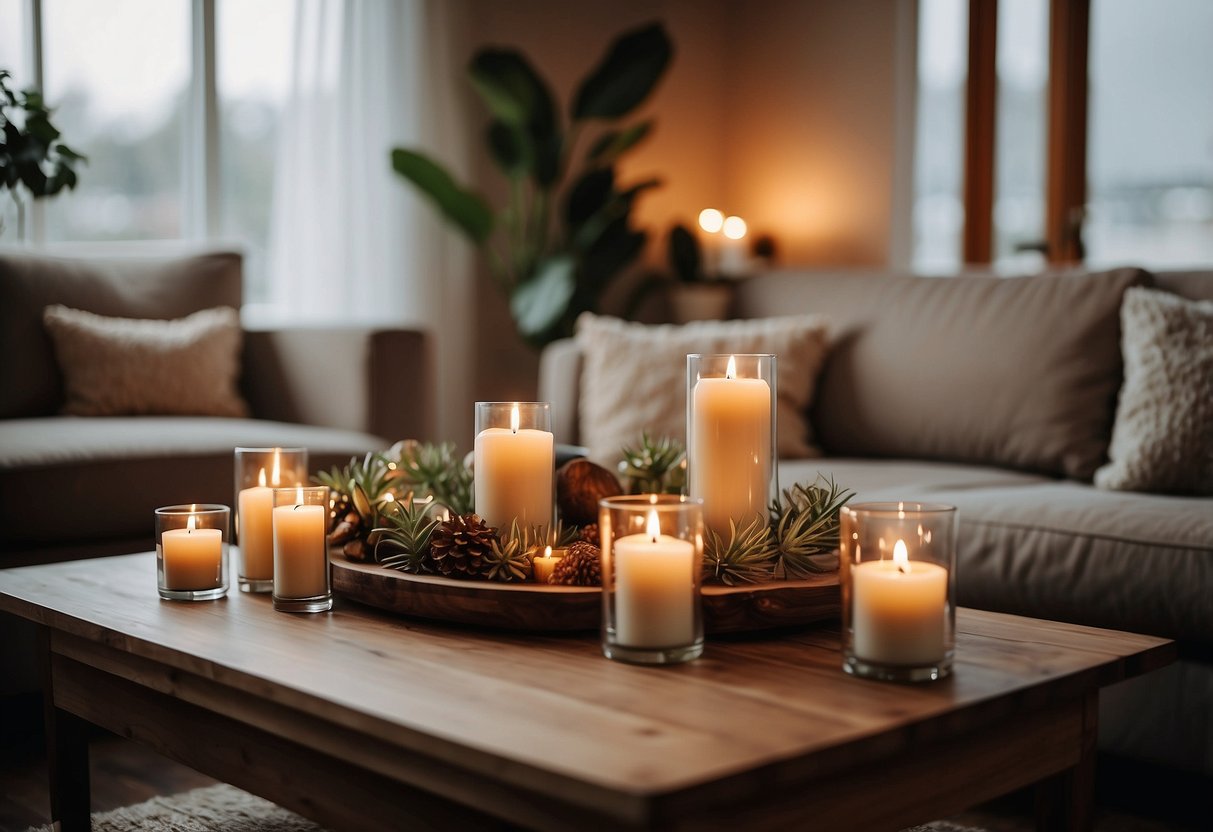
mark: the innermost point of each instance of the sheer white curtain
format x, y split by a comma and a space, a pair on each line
350, 242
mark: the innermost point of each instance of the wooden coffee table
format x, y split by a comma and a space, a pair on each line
363, 721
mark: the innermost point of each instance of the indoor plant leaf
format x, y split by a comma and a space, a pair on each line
626, 76
614, 143
539, 303
512, 89
466, 209
588, 195
684, 254
510, 148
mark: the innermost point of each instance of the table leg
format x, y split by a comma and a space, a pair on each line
1065, 802
66, 752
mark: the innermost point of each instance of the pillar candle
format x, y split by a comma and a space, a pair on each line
256, 529
300, 551
900, 607
654, 589
730, 463
193, 558
514, 472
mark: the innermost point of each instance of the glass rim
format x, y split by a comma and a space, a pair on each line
887, 508
651, 502
293, 450
703, 355
192, 508
283, 488
513, 404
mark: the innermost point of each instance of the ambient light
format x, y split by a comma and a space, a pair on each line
711, 220
734, 228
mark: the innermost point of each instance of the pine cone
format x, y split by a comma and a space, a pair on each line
582, 566
589, 533
458, 546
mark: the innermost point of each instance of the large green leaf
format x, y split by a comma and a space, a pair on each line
466, 209
512, 89
629, 72
538, 304
614, 143
614, 249
511, 149
588, 195
684, 254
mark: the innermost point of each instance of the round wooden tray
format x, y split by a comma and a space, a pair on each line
568, 608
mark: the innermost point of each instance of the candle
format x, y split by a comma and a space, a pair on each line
256, 526
193, 557
731, 457
734, 259
514, 471
545, 564
300, 550
654, 589
900, 609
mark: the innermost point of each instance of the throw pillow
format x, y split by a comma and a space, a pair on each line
634, 376
1162, 439
129, 366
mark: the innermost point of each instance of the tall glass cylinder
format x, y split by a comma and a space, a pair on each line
514, 464
191, 551
898, 573
258, 472
731, 438
652, 560
301, 557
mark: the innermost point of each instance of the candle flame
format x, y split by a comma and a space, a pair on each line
299, 496
731, 370
901, 556
547, 551
261, 478
276, 475
192, 524
654, 526
514, 419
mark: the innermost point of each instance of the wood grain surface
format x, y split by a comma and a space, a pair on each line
542, 730
535, 607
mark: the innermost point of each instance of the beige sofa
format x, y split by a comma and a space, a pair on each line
924, 396
86, 486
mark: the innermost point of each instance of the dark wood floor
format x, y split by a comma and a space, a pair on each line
1131, 799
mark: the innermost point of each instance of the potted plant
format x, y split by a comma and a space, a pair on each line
565, 232
694, 295
31, 156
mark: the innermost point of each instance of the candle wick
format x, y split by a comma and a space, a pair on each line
903, 567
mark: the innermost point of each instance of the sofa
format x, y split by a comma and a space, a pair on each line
83, 486
926, 394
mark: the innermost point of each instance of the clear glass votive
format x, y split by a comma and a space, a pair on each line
514, 463
258, 472
652, 560
191, 551
301, 557
898, 568
731, 438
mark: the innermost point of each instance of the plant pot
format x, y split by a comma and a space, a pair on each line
700, 301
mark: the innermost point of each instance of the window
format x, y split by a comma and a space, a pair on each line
14, 59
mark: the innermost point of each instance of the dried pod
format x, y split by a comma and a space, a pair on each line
580, 484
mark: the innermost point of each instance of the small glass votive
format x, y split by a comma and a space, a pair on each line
301, 557
898, 567
515, 464
191, 551
652, 556
731, 437
258, 472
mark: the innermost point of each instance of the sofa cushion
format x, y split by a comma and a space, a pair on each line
1163, 436
1020, 372
131, 366
152, 286
67, 479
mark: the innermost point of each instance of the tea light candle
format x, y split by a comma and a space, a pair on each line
654, 588
193, 557
900, 608
731, 457
514, 472
300, 550
256, 506
545, 564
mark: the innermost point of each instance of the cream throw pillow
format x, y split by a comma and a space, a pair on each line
634, 376
1163, 436
128, 366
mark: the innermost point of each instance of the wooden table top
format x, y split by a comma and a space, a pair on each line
549, 710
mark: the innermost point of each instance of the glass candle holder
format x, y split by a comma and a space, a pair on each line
514, 464
652, 556
301, 557
731, 438
191, 551
898, 567
258, 472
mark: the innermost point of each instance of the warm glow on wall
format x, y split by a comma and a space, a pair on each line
711, 220
734, 228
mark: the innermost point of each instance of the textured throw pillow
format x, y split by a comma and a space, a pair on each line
634, 376
1163, 436
129, 366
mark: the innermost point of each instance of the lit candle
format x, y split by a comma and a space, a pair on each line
514, 471
193, 557
300, 550
734, 260
544, 565
255, 529
900, 607
654, 588
730, 463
